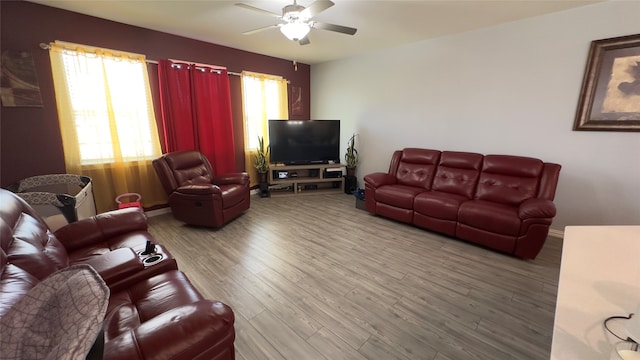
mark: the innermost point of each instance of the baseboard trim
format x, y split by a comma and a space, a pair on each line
559, 234
556, 233
157, 212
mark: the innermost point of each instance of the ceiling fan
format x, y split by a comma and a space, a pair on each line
297, 20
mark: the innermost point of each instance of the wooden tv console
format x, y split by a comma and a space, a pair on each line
305, 179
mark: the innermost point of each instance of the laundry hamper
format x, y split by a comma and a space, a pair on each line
58, 198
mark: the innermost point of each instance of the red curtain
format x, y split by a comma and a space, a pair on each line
175, 103
196, 112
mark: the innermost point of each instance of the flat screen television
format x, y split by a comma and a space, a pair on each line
301, 142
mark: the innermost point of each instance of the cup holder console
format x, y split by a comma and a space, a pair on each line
152, 259
149, 255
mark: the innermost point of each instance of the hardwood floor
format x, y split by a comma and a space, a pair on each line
312, 277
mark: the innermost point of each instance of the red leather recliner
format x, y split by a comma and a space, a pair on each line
153, 312
196, 195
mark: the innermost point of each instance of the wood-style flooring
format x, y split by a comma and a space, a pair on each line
313, 277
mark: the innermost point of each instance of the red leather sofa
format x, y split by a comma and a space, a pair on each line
153, 310
499, 201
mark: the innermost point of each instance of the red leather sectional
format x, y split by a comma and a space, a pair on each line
153, 312
499, 201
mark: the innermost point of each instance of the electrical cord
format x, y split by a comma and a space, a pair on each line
606, 326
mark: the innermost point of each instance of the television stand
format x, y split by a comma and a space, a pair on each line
309, 179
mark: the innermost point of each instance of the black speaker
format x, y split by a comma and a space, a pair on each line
350, 184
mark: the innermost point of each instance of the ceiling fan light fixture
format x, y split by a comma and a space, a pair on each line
295, 30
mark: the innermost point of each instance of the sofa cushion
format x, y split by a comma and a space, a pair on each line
146, 300
458, 173
440, 205
189, 168
15, 283
508, 179
417, 167
199, 189
490, 216
101, 228
135, 240
199, 330
401, 196
29, 245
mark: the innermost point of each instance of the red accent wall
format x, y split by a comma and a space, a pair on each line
30, 142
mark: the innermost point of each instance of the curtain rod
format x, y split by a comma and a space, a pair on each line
47, 47
193, 62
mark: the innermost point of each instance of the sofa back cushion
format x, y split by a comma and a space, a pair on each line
182, 168
416, 167
458, 173
29, 251
509, 179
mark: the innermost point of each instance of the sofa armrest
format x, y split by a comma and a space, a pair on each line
198, 330
103, 226
116, 265
378, 179
199, 189
537, 208
232, 178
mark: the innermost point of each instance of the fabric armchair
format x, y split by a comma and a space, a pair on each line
196, 195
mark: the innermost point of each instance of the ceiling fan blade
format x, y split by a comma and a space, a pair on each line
316, 8
332, 27
261, 29
304, 41
249, 7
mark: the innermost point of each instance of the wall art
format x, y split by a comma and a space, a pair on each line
610, 96
19, 82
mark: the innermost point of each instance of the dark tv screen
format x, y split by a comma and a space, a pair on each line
298, 142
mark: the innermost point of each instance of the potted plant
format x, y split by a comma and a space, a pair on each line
351, 156
262, 166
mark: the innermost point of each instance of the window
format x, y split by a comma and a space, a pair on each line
109, 106
107, 122
264, 97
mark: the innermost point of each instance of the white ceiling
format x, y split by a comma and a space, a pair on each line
380, 24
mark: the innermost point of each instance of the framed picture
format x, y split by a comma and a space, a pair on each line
610, 95
296, 101
18, 82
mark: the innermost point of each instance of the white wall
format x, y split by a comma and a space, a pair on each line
510, 89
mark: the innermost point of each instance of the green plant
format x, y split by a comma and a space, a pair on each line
262, 152
351, 156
